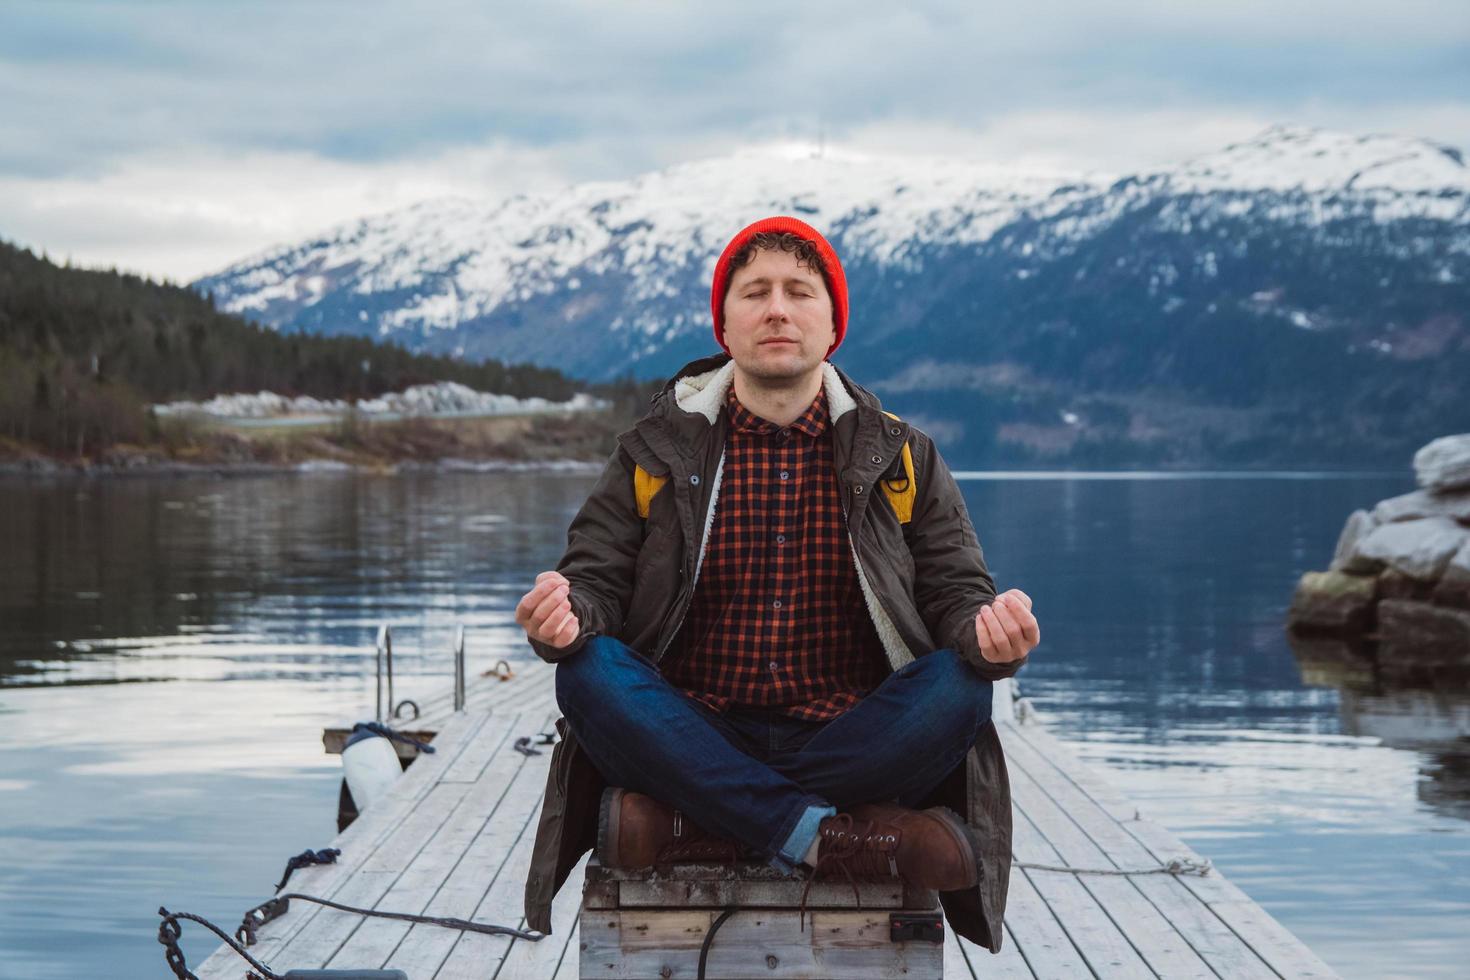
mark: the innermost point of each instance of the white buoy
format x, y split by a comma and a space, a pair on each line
370, 765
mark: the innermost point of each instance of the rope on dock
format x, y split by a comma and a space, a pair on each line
1178, 866
306, 859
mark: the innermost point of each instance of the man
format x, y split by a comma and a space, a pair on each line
774, 629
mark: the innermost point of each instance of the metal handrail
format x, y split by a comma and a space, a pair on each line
384, 655
459, 669
384, 658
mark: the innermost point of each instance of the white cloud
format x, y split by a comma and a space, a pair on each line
193, 210
174, 138
190, 211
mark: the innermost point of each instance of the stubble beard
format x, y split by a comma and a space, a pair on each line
779, 377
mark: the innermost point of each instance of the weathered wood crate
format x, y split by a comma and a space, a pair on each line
651, 924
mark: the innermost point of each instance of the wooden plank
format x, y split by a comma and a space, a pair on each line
476, 955
1149, 932
639, 944
318, 941
425, 947
1210, 938
403, 864
1094, 933
357, 843
1272, 942
473, 760
423, 878
956, 967
317, 944
1008, 964
571, 957
747, 885
481, 695
1040, 939
539, 960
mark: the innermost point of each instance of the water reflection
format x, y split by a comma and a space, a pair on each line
170, 650
226, 579
1423, 710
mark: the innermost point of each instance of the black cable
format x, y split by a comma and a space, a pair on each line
447, 922
168, 930
709, 937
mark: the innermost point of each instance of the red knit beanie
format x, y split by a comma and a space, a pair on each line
836, 281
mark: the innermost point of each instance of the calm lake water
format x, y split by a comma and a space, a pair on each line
171, 648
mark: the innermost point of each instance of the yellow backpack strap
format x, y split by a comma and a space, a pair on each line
902, 491
645, 485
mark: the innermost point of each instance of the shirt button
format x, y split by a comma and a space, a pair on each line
858, 488
780, 539
785, 475
775, 666
776, 604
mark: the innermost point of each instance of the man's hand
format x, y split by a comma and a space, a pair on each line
546, 613
1006, 629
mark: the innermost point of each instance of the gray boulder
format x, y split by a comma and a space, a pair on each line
1454, 504
1420, 549
1454, 585
1346, 557
1444, 464
1333, 601
1417, 634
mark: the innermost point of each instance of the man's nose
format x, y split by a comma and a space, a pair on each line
776, 307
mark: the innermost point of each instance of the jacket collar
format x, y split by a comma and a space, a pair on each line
700, 388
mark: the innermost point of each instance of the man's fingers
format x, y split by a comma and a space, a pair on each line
567, 633
993, 641
544, 586
1021, 614
1017, 594
545, 608
1007, 619
551, 576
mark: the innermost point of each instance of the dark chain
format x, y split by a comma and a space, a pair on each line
168, 935
168, 930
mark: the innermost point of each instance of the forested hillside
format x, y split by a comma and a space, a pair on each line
83, 353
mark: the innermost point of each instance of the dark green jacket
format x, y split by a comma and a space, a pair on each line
633, 578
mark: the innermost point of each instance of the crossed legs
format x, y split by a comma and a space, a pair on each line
646, 735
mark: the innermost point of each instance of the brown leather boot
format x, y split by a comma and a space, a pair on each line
927, 848
635, 830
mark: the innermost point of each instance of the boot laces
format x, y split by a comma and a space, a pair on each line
861, 851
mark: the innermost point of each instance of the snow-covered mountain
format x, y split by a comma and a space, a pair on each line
1301, 261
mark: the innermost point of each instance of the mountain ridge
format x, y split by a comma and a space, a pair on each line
1299, 272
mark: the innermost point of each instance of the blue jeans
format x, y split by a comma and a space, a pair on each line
758, 777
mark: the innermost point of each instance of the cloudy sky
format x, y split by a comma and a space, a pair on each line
173, 138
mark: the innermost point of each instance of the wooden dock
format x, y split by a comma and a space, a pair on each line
454, 836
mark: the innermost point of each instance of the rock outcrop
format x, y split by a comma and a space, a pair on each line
1400, 574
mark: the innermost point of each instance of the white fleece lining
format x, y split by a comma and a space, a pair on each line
897, 651
704, 394
709, 516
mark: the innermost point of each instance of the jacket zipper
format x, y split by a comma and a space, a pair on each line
688, 595
864, 584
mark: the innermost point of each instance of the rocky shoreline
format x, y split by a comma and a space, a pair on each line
546, 441
1398, 587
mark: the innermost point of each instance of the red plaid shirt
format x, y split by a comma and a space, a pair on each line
778, 618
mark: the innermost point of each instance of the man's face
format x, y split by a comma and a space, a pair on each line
778, 318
